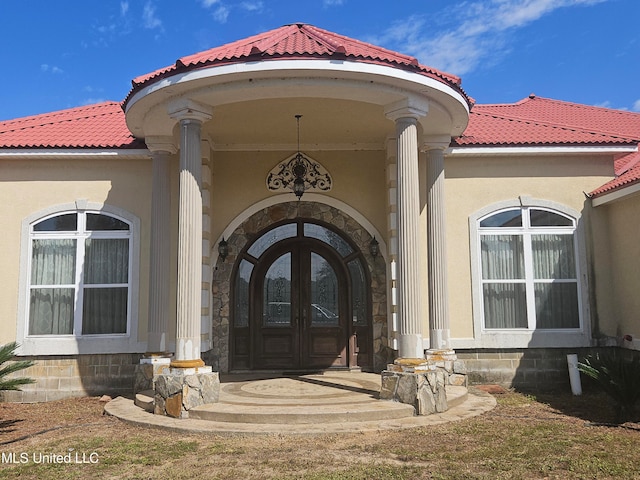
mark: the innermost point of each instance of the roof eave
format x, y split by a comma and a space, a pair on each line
618, 193
67, 153
559, 149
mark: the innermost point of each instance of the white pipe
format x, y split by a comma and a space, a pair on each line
574, 374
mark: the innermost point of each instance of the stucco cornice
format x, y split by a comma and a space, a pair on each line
33, 154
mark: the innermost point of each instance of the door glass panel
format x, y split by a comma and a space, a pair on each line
276, 308
324, 293
358, 293
327, 236
272, 237
241, 294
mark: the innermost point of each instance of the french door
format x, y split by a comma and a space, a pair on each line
300, 309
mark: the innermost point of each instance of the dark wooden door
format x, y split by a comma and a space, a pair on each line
300, 309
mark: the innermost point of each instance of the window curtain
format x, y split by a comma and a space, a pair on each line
505, 303
53, 263
556, 287
105, 296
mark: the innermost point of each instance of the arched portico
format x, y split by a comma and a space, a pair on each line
230, 110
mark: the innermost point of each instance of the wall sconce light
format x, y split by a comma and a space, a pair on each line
223, 249
374, 247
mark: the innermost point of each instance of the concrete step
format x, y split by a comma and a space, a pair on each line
374, 410
144, 400
327, 399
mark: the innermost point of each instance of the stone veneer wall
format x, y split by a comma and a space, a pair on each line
218, 357
75, 376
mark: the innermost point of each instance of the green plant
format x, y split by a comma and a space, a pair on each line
7, 352
618, 375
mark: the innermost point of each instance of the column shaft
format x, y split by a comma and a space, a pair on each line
439, 329
409, 321
189, 246
160, 251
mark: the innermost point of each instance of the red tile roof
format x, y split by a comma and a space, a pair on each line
627, 174
297, 41
94, 126
542, 121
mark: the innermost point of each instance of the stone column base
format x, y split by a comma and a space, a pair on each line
421, 385
182, 389
151, 365
447, 360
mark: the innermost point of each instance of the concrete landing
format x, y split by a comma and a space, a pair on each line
307, 404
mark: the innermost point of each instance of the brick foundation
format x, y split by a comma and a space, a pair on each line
60, 377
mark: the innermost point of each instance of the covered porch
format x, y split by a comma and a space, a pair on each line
218, 129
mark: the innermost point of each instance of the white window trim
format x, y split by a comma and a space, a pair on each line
512, 338
78, 344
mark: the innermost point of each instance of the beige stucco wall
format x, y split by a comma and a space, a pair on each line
619, 299
29, 186
476, 182
239, 181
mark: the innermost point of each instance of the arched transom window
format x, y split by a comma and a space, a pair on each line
529, 270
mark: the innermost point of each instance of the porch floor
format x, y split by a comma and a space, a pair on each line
328, 402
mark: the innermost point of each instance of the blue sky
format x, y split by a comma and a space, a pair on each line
66, 53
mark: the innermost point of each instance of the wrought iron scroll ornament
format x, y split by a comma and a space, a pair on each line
314, 176
299, 174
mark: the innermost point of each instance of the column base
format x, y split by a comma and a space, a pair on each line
448, 361
181, 389
195, 363
151, 365
421, 385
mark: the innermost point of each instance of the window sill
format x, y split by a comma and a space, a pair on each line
69, 345
525, 339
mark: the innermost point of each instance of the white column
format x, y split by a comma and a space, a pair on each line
160, 245
410, 335
392, 242
189, 291
439, 329
205, 313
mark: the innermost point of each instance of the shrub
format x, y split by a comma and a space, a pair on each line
7, 352
618, 375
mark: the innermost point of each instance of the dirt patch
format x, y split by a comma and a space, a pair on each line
554, 436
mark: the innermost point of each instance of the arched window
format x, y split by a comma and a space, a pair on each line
528, 266
79, 275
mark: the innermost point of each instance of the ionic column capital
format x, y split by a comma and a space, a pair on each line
161, 144
182, 110
409, 107
435, 142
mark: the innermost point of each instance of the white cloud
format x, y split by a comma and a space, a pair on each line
331, 3
253, 6
480, 32
50, 69
636, 106
605, 104
124, 8
222, 10
221, 14
149, 18
91, 101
